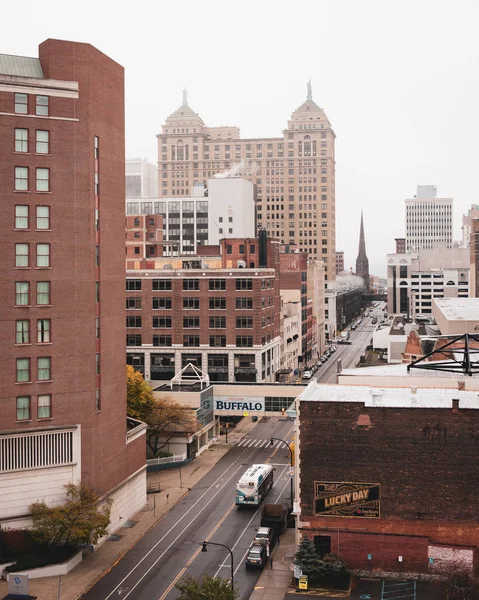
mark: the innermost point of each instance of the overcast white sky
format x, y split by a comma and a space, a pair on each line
398, 81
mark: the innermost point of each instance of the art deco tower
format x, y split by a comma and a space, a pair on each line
362, 262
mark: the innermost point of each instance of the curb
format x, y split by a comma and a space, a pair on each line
132, 545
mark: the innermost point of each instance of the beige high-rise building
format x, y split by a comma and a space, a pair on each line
294, 173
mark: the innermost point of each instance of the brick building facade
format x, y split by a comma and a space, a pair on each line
416, 449
219, 311
143, 238
62, 272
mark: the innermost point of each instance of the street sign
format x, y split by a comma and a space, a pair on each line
370, 557
303, 582
297, 572
291, 471
245, 414
431, 561
18, 585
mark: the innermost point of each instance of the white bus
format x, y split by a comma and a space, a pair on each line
254, 485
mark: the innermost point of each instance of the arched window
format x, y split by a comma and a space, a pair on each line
450, 282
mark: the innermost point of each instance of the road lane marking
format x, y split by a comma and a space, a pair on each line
257, 443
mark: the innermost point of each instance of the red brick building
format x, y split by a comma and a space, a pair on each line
62, 272
143, 238
219, 311
390, 474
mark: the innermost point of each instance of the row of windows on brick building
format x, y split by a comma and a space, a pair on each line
194, 322
24, 407
42, 105
22, 141
215, 341
22, 179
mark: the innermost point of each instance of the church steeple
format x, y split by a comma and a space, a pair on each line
362, 262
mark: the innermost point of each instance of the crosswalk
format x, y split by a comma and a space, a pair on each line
258, 443
395, 590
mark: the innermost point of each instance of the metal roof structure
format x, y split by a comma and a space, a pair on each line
21, 66
459, 355
190, 375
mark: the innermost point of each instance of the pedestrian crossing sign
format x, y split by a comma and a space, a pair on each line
245, 414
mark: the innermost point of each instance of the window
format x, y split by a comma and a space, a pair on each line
217, 303
191, 303
42, 106
191, 322
23, 405
217, 322
217, 284
42, 145
23, 370
22, 335
44, 406
229, 249
21, 140
97, 148
43, 217
162, 340
133, 322
43, 180
21, 216
21, 179
133, 285
133, 339
191, 284
244, 284
244, 303
217, 341
44, 368
21, 104
133, 303
97, 291
252, 249
162, 322
21, 255
97, 363
244, 322
43, 255
244, 341
161, 285
161, 303
22, 293
191, 340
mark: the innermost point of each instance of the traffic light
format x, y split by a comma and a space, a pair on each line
282, 412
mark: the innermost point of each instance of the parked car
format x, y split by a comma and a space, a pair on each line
323, 359
319, 364
374, 321
307, 374
333, 349
257, 556
264, 536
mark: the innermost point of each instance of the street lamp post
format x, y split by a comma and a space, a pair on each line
204, 549
292, 466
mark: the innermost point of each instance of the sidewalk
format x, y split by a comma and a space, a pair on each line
274, 582
174, 485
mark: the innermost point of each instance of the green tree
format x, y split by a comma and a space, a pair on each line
167, 419
139, 395
206, 588
307, 559
79, 520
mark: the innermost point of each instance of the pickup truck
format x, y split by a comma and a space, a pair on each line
274, 516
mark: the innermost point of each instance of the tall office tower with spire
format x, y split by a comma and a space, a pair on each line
362, 262
294, 173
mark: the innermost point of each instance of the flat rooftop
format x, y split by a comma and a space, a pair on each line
390, 397
459, 309
400, 370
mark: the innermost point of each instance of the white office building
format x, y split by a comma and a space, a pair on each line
141, 178
428, 220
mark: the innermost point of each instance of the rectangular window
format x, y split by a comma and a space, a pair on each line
44, 368
161, 285
44, 406
162, 340
133, 339
191, 303
43, 217
191, 284
97, 291
23, 370
42, 106
22, 332
43, 293
133, 303
162, 322
21, 179
21, 216
244, 284
133, 285
42, 180
244, 303
191, 340
23, 408
217, 303
97, 328
21, 104
244, 322
21, 140
133, 322
43, 255
22, 293
191, 322
42, 145
97, 363
244, 341
217, 284
217, 322
217, 341
21, 255
97, 147
161, 303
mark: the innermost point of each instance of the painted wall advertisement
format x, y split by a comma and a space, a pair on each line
347, 499
232, 405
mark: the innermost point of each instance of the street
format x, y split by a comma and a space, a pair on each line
151, 569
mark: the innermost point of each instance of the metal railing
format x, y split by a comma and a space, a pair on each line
166, 460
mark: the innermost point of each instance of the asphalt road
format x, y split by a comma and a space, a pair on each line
151, 569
